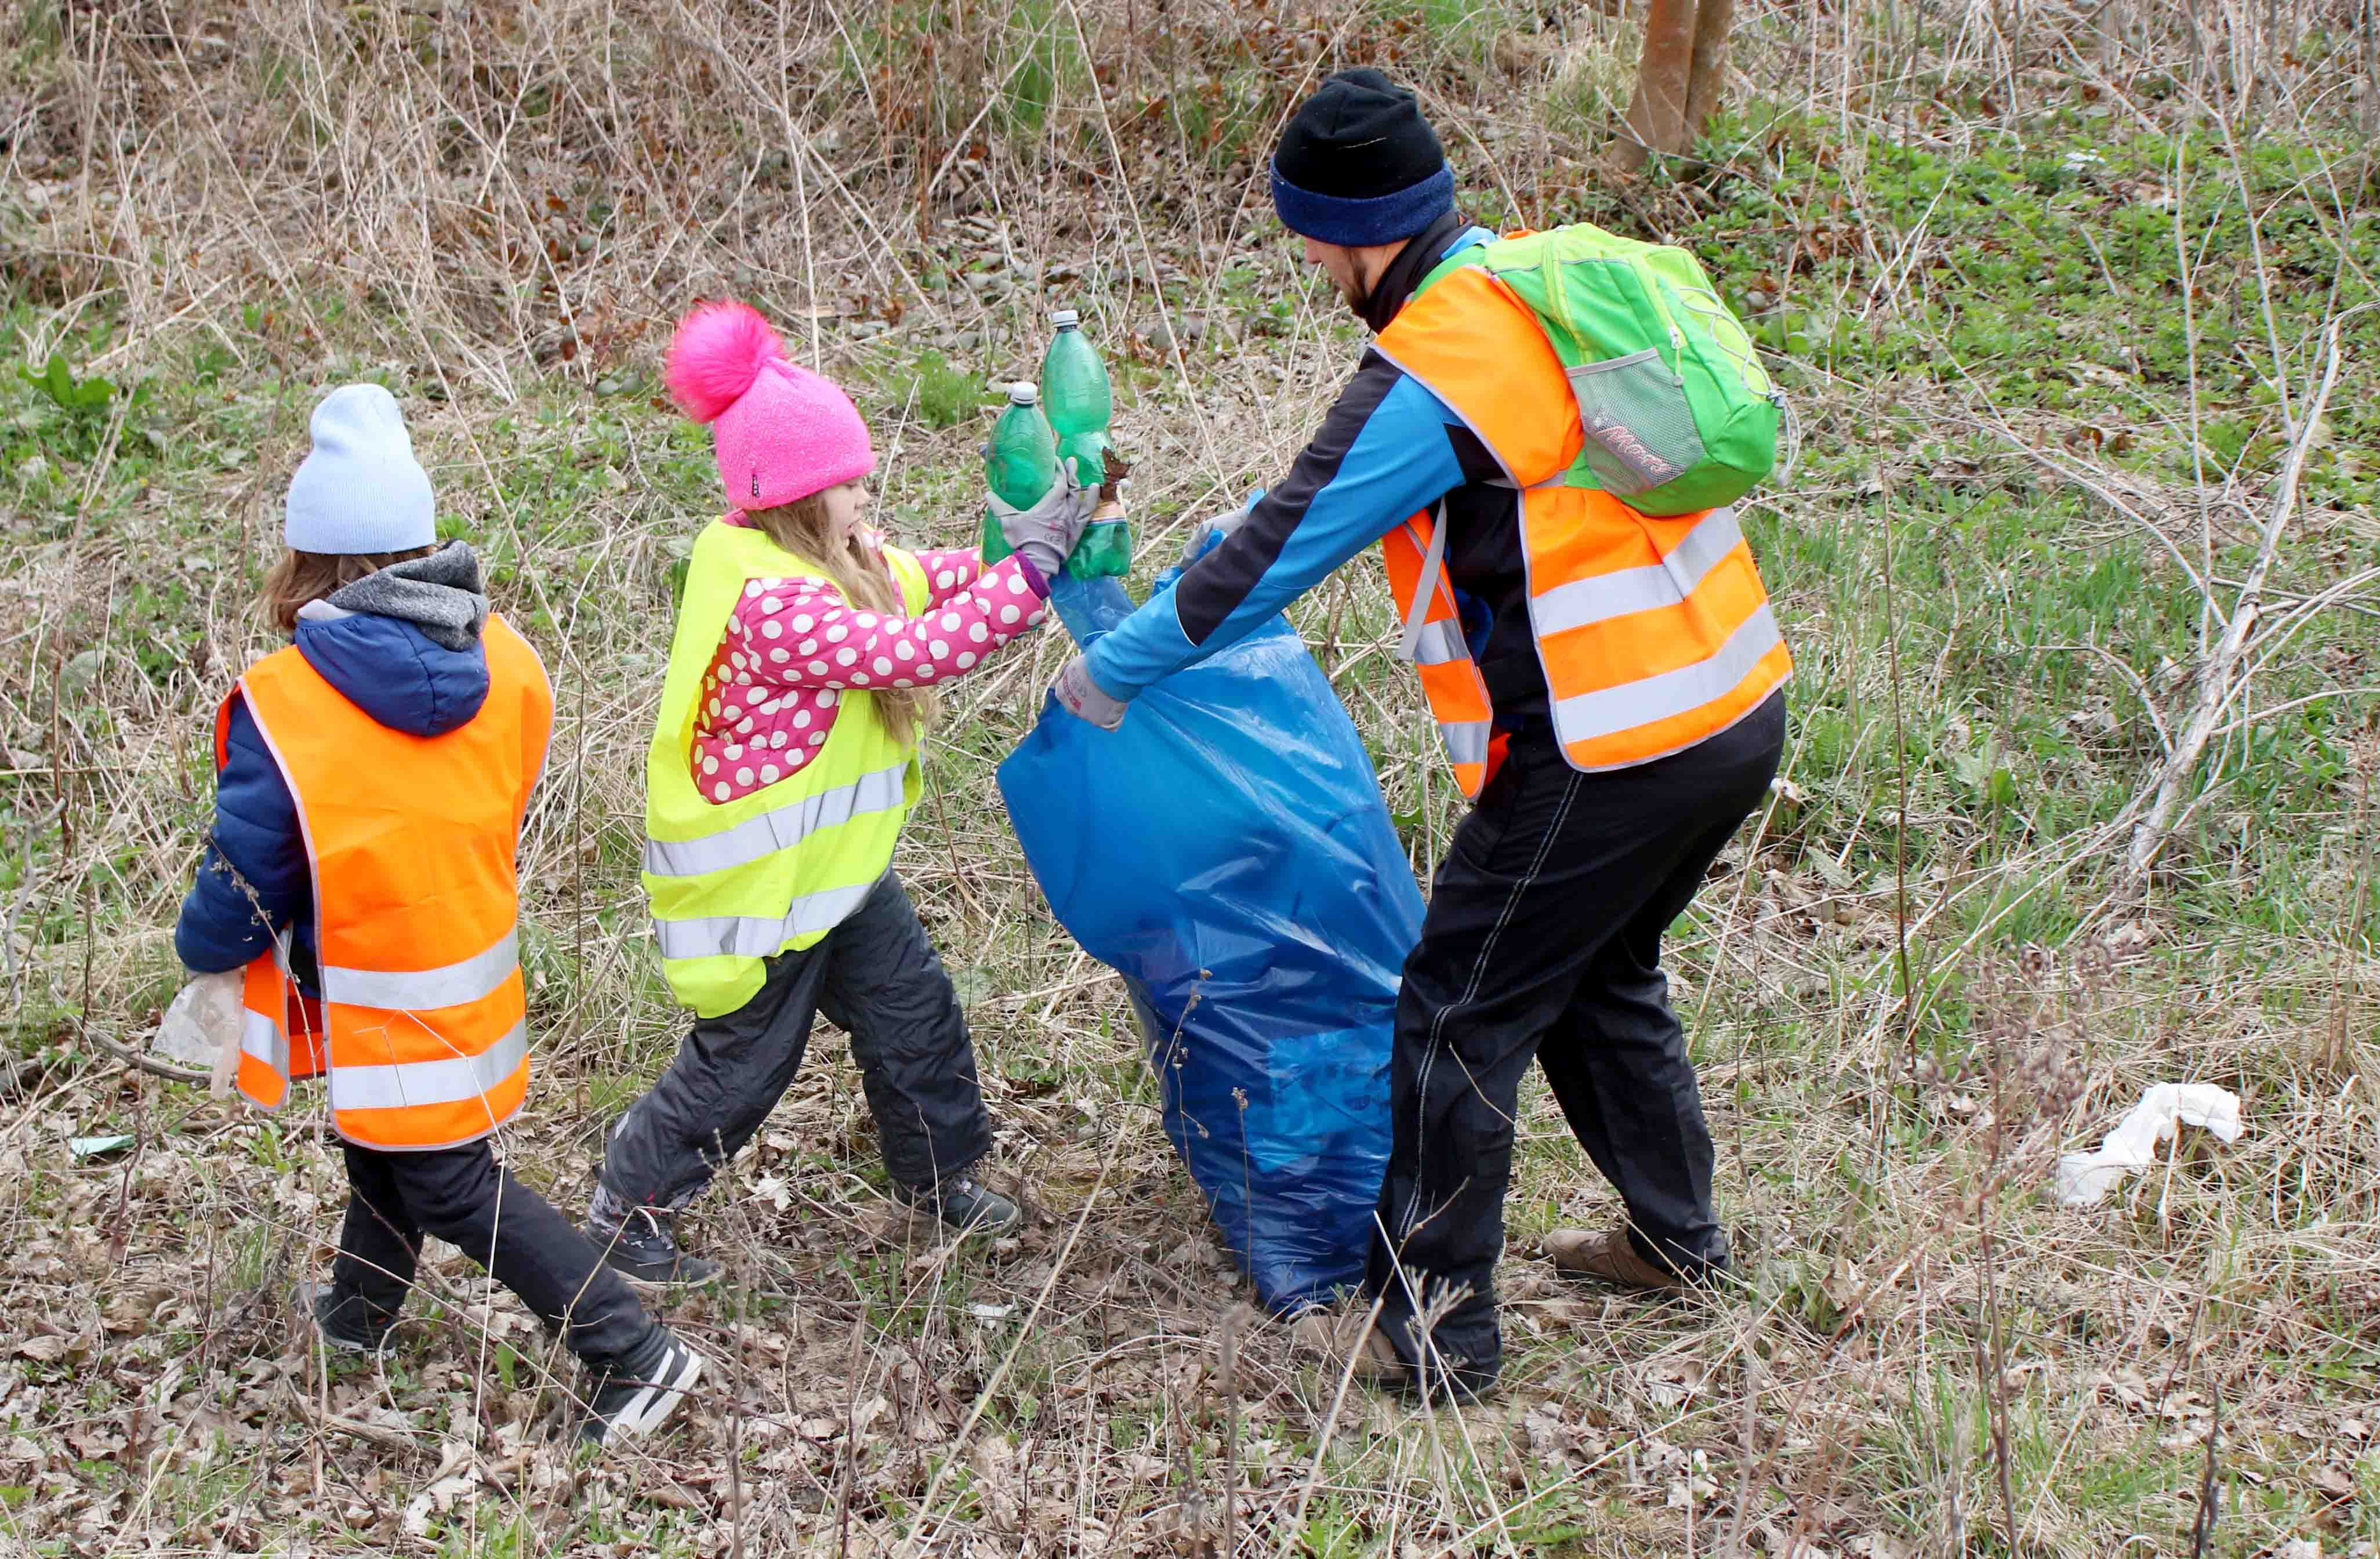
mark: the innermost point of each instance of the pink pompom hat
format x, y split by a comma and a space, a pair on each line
781, 431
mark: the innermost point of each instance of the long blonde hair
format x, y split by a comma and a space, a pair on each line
863, 576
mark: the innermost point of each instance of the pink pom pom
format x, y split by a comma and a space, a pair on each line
719, 351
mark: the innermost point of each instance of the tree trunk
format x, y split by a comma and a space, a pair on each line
1678, 78
1713, 22
1656, 116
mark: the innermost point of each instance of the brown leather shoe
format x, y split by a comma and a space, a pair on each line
1335, 1338
1609, 1257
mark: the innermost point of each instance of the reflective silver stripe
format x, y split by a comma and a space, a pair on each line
1466, 740
1585, 716
1665, 583
1440, 642
757, 936
451, 985
262, 1039
757, 838
446, 1080
1433, 561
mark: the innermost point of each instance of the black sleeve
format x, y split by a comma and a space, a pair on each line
1213, 591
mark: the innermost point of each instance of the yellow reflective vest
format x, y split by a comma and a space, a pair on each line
735, 882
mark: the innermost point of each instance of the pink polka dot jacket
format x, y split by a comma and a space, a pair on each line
794, 647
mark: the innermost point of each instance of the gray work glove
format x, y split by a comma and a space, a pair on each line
1084, 699
1047, 531
1221, 525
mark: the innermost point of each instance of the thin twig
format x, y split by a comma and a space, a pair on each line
2215, 680
1900, 818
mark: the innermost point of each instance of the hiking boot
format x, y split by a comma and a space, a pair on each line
345, 1322
643, 1390
965, 1205
1349, 1339
644, 1246
1610, 1257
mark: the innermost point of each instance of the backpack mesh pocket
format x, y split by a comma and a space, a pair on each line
1640, 432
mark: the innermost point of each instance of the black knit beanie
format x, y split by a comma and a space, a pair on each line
1358, 165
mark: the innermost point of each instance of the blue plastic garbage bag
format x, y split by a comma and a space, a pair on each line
1228, 852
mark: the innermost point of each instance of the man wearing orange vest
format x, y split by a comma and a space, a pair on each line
1607, 686
371, 779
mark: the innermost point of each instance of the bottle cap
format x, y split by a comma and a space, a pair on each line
1065, 319
1024, 393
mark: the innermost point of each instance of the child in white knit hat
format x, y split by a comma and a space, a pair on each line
359, 884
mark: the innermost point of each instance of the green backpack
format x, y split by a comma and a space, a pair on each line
1677, 412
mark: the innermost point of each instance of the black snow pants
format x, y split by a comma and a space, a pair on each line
466, 1199
1543, 941
878, 977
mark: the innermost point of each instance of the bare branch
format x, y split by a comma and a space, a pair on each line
2219, 673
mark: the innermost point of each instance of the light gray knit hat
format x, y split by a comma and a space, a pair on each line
361, 490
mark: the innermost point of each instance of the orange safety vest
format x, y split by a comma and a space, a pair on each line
1654, 633
421, 1024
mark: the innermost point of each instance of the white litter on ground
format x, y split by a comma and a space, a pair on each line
2085, 1179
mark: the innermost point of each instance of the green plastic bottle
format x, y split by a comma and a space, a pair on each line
1020, 463
1022, 459
1080, 402
1076, 396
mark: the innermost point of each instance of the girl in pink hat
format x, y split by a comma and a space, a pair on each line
802, 673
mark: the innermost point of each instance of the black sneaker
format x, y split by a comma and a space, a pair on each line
343, 1323
646, 1389
967, 1205
645, 1248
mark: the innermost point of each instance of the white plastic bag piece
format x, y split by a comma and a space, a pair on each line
201, 1028
2084, 1179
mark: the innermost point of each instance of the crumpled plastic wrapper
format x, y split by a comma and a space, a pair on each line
2086, 1179
201, 1028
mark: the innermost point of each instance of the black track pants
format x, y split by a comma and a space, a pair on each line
465, 1198
878, 977
1543, 941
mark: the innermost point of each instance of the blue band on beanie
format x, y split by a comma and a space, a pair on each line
1384, 219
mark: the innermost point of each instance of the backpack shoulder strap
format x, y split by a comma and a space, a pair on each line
1480, 348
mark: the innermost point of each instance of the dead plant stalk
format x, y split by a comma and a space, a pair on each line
2218, 682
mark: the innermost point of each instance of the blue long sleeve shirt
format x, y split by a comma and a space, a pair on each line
255, 846
1387, 450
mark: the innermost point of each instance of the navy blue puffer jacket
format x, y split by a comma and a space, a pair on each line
392, 671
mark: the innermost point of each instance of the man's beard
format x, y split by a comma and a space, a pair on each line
1356, 294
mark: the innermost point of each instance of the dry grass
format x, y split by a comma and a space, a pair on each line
499, 206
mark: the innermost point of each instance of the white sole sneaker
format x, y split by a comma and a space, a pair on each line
651, 1402
312, 1299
